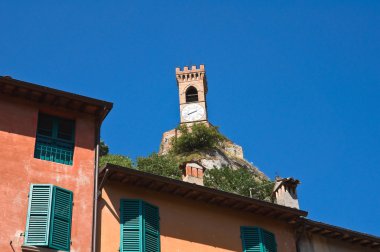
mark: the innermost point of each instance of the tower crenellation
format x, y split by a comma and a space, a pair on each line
193, 69
193, 74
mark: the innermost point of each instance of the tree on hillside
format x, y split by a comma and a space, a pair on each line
240, 181
163, 165
103, 148
199, 137
115, 159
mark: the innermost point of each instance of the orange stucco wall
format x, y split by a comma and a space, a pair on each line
186, 225
18, 123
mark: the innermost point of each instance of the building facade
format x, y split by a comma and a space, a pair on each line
187, 217
48, 157
139, 211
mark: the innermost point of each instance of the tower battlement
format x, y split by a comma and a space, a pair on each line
192, 70
190, 74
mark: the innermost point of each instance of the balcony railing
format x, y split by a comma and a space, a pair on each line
55, 150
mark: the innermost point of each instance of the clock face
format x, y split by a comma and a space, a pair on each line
193, 112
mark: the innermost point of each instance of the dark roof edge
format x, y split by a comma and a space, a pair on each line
332, 228
107, 106
261, 203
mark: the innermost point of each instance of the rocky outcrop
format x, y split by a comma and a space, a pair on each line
226, 154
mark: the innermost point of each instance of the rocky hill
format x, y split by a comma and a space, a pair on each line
223, 152
219, 157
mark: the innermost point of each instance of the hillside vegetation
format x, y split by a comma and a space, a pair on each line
202, 144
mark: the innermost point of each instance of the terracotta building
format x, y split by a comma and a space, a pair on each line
139, 211
187, 217
49, 140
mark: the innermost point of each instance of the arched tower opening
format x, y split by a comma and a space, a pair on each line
191, 94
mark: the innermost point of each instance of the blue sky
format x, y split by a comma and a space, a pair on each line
297, 84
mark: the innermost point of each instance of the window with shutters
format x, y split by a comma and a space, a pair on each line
49, 217
55, 139
139, 226
256, 239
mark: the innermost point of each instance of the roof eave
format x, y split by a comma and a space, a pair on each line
54, 97
339, 233
200, 193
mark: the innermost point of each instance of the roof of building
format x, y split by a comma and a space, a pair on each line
191, 191
53, 97
339, 233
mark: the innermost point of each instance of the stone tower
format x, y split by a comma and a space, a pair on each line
192, 90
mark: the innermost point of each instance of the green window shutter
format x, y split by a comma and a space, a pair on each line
38, 218
60, 225
269, 241
251, 239
139, 226
131, 226
151, 228
256, 239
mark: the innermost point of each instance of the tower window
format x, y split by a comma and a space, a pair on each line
191, 94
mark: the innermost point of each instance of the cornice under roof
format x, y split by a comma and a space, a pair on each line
53, 97
191, 191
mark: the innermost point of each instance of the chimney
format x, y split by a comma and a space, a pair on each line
285, 193
192, 172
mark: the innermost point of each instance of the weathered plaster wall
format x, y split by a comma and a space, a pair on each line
18, 123
317, 243
186, 225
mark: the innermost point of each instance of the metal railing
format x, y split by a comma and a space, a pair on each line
56, 150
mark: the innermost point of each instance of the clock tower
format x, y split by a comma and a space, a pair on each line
192, 89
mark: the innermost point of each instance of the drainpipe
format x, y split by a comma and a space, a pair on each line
96, 172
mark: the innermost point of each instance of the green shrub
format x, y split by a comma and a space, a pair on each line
238, 181
115, 159
163, 165
103, 148
200, 137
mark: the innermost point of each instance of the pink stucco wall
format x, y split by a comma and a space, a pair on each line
18, 123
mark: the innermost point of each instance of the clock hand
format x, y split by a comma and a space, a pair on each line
192, 112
